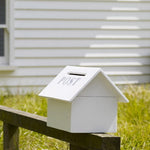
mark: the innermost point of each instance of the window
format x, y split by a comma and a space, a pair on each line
1, 42
2, 12
3, 33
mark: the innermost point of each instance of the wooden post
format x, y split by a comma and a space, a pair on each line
73, 147
11, 137
79, 141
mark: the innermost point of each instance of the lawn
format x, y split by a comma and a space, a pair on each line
133, 120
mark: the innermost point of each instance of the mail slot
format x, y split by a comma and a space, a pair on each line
82, 100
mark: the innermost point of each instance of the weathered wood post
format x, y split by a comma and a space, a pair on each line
73, 147
100, 142
13, 119
11, 137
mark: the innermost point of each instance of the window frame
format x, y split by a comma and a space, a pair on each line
3, 40
7, 60
4, 59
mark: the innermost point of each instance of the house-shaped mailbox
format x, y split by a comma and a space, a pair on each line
82, 100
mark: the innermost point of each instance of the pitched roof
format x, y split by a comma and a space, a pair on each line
72, 80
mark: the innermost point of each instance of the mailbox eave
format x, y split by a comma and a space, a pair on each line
69, 93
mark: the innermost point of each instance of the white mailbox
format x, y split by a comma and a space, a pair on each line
82, 100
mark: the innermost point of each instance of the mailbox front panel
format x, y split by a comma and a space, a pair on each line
94, 115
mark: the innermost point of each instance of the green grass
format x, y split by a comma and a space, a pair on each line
30, 140
133, 120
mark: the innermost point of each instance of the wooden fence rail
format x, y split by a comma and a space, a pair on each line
13, 119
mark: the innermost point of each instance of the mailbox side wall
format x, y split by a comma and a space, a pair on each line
94, 114
58, 114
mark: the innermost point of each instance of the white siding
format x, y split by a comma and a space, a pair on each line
113, 35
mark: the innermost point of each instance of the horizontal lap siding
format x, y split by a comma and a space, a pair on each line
49, 35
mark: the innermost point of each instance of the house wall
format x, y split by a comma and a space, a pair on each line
48, 35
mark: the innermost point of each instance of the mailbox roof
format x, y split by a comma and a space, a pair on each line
72, 80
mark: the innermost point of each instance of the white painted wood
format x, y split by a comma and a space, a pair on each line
7, 68
81, 15
80, 81
4, 59
94, 115
47, 35
84, 99
48, 24
16, 90
77, 43
120, 64
82, 53
91, 5
11, 33
3, 26
53, 71
83, 61
42, 81
137, 79
69, 82
59, 115
92, 64
25, 81
78, 116
97, 88
31, 71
